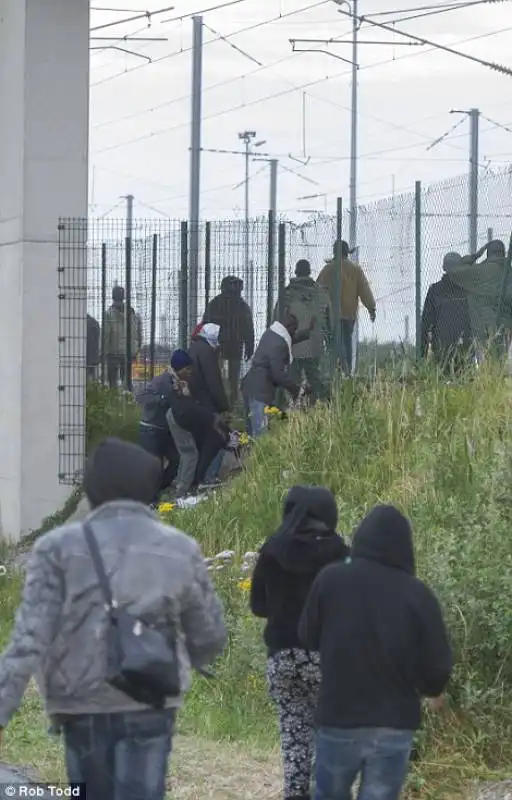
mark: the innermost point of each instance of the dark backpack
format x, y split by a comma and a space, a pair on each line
141, 661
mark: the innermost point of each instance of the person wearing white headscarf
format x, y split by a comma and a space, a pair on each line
206, 385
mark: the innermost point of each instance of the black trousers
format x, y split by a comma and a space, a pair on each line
116, 370
234, 370
159, 443
208, 444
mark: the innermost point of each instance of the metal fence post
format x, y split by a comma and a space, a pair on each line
103, 309
281, 266
337, 286
207, 262
152, 333
184, 287
270, 268
128, 314
418, 246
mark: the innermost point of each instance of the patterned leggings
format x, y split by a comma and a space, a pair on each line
294, 680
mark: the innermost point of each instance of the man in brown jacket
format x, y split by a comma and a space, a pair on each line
354, 287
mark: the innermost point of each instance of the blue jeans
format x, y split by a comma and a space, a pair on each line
212, 473
120, 756
256, 419
379, 755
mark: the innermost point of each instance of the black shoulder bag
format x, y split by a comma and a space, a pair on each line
141, 662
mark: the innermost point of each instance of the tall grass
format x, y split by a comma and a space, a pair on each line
442, 453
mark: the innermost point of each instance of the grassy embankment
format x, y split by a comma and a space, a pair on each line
440, 452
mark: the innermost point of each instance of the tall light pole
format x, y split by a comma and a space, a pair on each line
247, 137
274, 166
195, 170
474, 118
353, 127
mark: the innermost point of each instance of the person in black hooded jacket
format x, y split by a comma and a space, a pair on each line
445, 320
286, 567
383, 646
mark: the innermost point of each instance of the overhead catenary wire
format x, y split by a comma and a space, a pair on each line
233, 46
436, 45
134, 18
426, 11
284, 92
247, 29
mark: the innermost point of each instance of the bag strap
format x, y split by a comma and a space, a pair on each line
99, 566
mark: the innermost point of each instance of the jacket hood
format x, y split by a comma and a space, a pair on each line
119, 470
232, 286
385, 536
307, 540
210, 332
298, 282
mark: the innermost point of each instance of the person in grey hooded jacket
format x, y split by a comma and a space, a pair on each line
118, 747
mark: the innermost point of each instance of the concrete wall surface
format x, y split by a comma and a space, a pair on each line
44, 107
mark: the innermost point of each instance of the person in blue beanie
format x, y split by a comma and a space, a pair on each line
174, 422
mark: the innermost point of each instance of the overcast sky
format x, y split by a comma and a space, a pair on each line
298, 103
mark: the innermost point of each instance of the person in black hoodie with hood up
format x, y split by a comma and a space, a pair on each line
287, 565
234, 317
383, 646
445, 320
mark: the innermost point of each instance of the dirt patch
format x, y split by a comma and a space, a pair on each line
223, 771
494, 791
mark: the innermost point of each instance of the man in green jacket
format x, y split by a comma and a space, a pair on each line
304, 299
116, 351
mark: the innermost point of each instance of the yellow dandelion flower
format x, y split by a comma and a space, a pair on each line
271, 411
244, 439
166, 508
245, 585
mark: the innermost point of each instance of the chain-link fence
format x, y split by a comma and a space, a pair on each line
148, 265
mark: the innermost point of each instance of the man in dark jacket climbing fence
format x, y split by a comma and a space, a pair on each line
306, 300
117, 746
383, 646
445, 322
234, 317
269, 370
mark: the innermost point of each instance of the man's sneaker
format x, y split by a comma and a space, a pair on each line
209, 485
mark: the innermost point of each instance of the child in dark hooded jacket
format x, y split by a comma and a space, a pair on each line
287, 566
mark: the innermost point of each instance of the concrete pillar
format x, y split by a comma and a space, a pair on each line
44, 88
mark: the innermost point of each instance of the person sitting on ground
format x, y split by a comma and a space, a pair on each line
269, 370
378, 659
206, 384
199, 434
287, 565
230, 311
341, 274
445, 322
306, 300
115, 745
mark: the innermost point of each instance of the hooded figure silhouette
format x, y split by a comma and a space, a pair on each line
383, 645
287, 565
